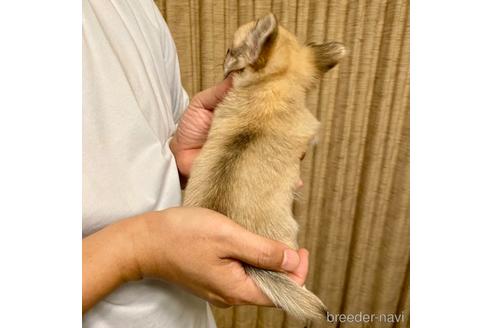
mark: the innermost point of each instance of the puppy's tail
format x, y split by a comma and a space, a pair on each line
286, 294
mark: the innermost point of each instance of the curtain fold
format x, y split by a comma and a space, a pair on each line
354, 208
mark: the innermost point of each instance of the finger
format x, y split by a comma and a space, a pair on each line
245, 290
299, 184
209, 98
251, 294
219, 304
262, 252
299, 275
248, 292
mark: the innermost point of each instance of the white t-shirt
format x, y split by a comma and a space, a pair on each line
132, 100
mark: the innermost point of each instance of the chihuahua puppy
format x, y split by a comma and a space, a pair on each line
249, 167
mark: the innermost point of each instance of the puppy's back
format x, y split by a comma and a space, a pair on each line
249, 166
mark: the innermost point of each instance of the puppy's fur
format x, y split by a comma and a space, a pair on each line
249, 166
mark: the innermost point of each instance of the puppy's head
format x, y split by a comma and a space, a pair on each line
263, 48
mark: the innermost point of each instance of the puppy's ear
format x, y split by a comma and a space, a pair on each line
327, 55
260, 40
256, 47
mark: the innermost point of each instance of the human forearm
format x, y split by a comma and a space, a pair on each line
198, 249
108, 260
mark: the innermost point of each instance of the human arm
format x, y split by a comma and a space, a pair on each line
198, 249
107, 260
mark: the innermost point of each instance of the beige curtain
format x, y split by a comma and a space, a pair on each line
354, 212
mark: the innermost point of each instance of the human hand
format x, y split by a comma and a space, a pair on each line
194, 125
201, 250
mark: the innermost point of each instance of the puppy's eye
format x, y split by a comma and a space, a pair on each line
228, 51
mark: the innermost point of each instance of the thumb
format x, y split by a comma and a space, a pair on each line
262, 252
209, 98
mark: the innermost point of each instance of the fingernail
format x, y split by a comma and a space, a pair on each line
291, 260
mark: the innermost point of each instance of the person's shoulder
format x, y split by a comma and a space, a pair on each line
150, 9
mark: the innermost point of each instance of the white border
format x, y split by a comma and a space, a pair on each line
40, 165
451, 163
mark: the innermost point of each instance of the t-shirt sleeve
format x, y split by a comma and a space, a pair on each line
179, 97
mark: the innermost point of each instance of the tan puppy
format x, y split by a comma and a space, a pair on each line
249, 166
